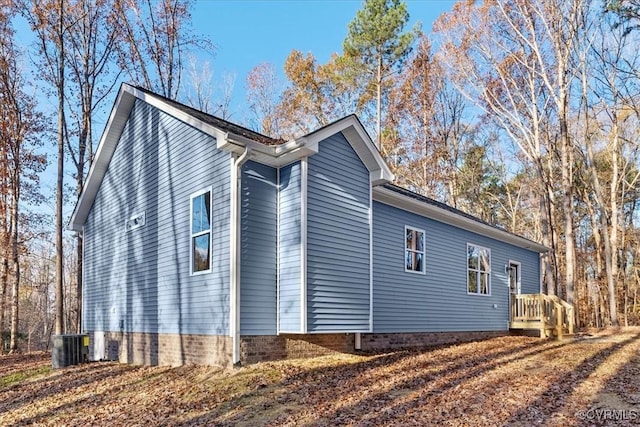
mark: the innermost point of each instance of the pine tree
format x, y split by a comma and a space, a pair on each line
376, 45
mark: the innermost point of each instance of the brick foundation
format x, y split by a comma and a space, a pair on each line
160, 349
216, 350
379, 342
258, 348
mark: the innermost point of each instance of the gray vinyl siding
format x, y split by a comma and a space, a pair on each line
530, 269
290, 248
140, 280
338, 249
259, 238
438, 301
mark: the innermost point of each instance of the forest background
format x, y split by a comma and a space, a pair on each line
524, 113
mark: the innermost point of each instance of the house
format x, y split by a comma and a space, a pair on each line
207, 243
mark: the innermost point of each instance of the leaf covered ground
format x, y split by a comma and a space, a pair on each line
592, 379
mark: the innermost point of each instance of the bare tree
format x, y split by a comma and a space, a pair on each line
426, 135
608, 60
200, 90
91, 51
49, 22
225, 95
262, 94
514, 60
17, 136
202, 94
154, 36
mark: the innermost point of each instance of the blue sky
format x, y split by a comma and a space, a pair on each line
249, 32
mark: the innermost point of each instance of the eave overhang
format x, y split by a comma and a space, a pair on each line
273, 155
395, 199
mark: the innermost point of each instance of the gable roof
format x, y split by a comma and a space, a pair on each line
229, 137
217, 122
275, 152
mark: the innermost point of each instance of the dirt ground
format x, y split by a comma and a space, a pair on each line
590, 379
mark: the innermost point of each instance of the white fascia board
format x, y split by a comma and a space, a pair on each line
161, 105
391, 198
361, 143
294, 155
270, 155
378, 177
366, 150
106, 147
111, 136
291, 151
289, 146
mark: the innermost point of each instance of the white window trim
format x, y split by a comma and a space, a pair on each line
192, 235
424, 250
467, 271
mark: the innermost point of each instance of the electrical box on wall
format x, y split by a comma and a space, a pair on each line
136, 221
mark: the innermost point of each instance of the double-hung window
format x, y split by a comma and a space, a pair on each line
201, 232
414, 250
478, 270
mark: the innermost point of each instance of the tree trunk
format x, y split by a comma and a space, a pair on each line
16, 266
626, 305
59, 326
604, 229
635, 300
549, 279
82, 147
379, 104
4, 246
4, 280
567, 194
548, 235
612, 281
603, 308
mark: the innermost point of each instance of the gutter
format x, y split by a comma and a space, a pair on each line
236, 252
271, 155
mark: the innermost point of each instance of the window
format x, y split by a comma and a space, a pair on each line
478, 270
414, 249
201, 232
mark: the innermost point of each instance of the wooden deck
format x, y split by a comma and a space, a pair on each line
548, 314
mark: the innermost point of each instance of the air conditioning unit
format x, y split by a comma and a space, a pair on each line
69, 349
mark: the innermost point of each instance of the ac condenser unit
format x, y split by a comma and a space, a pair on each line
69, 349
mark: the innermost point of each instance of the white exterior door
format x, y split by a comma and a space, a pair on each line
514, 285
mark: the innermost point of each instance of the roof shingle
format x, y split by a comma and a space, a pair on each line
216, 121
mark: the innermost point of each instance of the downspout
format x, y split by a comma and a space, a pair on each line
357, 341
236, 251
80, 315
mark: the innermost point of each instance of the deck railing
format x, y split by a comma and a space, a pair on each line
543, 312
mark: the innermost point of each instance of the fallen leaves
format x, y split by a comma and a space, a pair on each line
502, 381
